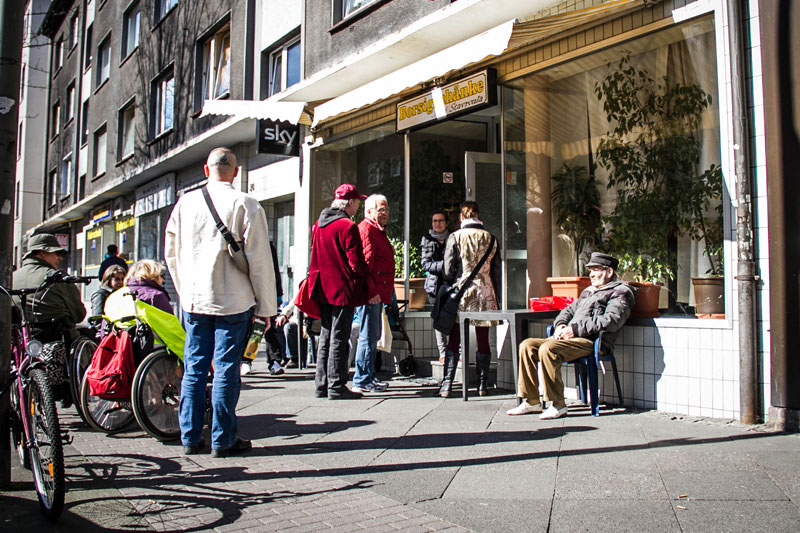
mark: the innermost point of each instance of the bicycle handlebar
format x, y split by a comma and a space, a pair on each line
53, 277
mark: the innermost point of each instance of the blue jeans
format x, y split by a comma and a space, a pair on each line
221, 339
367, 341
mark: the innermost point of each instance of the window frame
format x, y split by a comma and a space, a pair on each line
58, 55
66, 183
126, 18
84, 123
55, 120
278, 56
73, 31
52, 188
88, 48
157, 107
102, 130
339, 19
162, 8
207, 45
69, 103
104, 44
122, 125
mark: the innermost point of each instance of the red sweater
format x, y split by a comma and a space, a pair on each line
379, 255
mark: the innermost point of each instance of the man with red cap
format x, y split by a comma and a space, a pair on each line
338, 279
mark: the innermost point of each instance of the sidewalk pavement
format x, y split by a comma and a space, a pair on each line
407, 460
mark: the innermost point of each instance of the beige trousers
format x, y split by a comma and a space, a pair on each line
551, 353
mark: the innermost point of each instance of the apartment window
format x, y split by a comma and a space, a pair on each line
19, 141
162, 7
87, 59
127, 130
52, 183
85, 123
130, 30
16, 201
55, 120
284, 67
100, 148
22, 83
66, 176
73, 31
58, 55
215, 67
344, 8
103, 61
69, 104
162, 103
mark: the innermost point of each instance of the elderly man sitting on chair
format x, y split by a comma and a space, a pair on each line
605, 306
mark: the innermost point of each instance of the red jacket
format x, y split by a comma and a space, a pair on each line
379, 255
337, 273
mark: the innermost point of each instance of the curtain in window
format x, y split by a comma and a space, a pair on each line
222, 84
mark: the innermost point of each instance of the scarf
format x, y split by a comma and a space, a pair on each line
439, 236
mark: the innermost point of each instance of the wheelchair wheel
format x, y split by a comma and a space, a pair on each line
156, 394
107, 416
81, 353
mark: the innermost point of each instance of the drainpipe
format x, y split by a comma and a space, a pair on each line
746, 277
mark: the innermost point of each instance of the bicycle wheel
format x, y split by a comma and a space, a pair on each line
107, 416
157, 393
17, 411
81, 353
47, 453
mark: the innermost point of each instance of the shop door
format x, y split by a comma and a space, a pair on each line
284, 243
484, 185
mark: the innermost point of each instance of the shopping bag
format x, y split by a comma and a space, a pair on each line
385, 341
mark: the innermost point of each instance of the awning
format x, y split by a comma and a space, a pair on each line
506, 36
277, 111
432, 33
487, 44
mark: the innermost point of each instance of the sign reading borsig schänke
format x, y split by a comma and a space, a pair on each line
440, 103
281, 138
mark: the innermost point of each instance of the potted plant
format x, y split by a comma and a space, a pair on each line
709, 290
651, 156
576, 202
416, 275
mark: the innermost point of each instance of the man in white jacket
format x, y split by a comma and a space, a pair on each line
218, 300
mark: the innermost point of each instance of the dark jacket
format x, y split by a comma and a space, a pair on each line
433, 262
111, 260
379, 255
60, 303
605, 308
99, 299
337, 273
150, 292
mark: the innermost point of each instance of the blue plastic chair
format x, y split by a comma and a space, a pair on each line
588, 367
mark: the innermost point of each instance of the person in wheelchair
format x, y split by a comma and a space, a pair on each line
145, 280
605, 306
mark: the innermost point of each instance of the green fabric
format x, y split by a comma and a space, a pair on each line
166, 326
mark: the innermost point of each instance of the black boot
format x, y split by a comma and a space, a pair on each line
450, 366
482, 372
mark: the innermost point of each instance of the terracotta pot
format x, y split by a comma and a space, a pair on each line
416, 288
709, 295
646, 300
568, 285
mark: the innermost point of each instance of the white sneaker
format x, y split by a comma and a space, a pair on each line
379, 383
246, 368
553, 412
525, 408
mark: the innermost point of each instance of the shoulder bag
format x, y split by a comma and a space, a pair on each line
445, 308
235, 248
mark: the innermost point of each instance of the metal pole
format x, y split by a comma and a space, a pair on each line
407, 209
11, 14
746, 278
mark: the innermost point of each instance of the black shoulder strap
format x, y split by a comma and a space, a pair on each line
220, 226
475, 270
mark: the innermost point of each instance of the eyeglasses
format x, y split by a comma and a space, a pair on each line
439, 221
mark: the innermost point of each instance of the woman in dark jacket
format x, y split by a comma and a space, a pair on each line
432, 248
145, 279
113, 279
464, 250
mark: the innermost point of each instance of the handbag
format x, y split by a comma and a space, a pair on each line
445, 308
305, 303
235, 248
385, 341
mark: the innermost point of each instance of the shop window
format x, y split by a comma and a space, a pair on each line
214, 68
162, 8
564, 133
126, 137
130, 30
103, 61
100, 150
162, 104
282, 67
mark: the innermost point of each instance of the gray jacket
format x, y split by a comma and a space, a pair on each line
599, 309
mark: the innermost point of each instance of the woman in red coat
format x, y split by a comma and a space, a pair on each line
379, 254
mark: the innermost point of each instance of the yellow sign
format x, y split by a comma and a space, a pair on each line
94, 233
122, 225
440, 103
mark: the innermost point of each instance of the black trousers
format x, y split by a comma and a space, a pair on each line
333, 351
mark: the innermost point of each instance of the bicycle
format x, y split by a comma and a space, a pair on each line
35, 429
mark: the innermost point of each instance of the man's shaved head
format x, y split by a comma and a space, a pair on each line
221, 164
